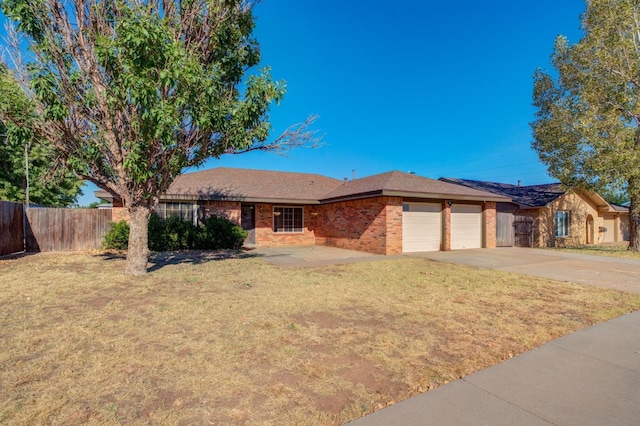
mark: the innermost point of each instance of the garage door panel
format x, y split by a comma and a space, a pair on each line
466, 226
421, 227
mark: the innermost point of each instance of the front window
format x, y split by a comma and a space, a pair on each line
562, 224
184, 211
287, 219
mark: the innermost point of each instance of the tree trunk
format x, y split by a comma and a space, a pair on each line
138, 252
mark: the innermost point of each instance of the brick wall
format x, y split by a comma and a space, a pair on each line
265, 236
446, 226
581, 210
227, 209
372, 225
120, 213
489, 225
394, 226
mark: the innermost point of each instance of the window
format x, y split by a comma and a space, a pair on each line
184, 211
287, 219
562, 224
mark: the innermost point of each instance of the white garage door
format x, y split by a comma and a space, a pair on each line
610, 225
466, 226
421, 227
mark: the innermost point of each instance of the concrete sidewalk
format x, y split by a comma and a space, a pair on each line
591, 377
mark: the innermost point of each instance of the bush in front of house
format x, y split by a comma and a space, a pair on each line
174, 234
118, 236
221, 233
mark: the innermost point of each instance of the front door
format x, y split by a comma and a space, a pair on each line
248, 222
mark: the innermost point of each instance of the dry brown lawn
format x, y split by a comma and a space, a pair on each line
207, 340
607, 249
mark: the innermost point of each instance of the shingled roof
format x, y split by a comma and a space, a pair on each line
285, 187
397, 183
252, 185
529, 196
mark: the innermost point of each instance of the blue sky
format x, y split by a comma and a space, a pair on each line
438, 88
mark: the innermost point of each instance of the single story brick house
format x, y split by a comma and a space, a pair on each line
388, 213
551, 216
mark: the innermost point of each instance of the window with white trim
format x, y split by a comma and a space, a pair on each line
288, 219
184, 211
562, 223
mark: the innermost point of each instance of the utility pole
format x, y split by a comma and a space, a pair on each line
26, 174
26, 194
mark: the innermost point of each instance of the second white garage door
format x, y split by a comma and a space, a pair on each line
421, 227
466, 226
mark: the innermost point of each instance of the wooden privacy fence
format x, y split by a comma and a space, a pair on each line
11, 228
523, 231
505, 236
58, 229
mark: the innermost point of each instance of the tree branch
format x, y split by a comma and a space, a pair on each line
296, 136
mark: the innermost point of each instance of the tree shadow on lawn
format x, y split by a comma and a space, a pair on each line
158, 260
18, 255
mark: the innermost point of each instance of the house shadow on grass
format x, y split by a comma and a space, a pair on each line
158, 260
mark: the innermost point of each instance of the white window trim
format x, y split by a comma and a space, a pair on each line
161, 209
567, 228
273, 216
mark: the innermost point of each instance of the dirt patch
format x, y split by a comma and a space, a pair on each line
98, 302
322, 319
332, 404
362, 372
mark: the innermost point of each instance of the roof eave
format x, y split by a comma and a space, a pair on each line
601, 204
442, 196
350, 197
409, 194
103, 195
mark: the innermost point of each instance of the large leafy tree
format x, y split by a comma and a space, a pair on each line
26, 167
587, 127
47, 186
130, 92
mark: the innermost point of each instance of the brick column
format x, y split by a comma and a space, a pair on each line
394, 225
489, 225
446, 226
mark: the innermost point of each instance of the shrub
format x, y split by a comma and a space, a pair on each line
118, 236
157, 233
174, 234
221, 233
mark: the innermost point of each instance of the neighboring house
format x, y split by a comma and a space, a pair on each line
551, 216
389, 213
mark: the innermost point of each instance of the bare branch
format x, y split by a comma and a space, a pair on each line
299, 135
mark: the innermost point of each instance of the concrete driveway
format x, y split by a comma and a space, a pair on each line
307, 256
600, 271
